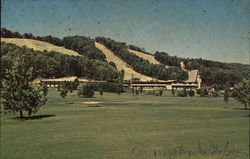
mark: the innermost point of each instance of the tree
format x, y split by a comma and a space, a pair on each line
63, 93
203, 92
101, 91
136, 91
18, 95
45, 90
141, 90
182, 93
133, 90
226, 94
64, 90
86, 90
242, 92
173, 91
191, 93
160, 92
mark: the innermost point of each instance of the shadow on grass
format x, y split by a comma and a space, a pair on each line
237, 108
94, 106
35, 117
248, 115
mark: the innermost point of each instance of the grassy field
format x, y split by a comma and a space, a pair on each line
129, 127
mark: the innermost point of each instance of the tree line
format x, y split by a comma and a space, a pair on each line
213, 73
81, 44
54, 65
140, 65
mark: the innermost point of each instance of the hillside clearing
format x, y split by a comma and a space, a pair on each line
38, 45
128, 72
148, 57
145, 56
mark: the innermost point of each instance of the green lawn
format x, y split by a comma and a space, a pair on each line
129, 127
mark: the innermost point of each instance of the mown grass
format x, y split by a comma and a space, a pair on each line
129, 127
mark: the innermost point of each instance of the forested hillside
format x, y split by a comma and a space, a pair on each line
53, 64
82, 45
141, 65
121, 65
212, 72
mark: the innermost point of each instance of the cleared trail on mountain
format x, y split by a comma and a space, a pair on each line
145, 56
148, 57
121, 65
39, 45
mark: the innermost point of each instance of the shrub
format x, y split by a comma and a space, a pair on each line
151, 92
86, 90
203, 92
182, 93
63, 93
160, 92
191, 93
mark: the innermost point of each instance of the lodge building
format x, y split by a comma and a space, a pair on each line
193, 82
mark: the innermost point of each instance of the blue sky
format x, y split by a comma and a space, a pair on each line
210, 29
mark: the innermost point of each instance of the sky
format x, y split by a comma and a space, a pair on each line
209, 29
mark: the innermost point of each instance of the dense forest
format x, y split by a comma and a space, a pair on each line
140, 65
52, 64
212, 72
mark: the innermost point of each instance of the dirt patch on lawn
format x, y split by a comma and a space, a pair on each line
91, 102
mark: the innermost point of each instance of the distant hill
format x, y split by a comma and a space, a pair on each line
42, 46
121, 65
132, 59
38, 45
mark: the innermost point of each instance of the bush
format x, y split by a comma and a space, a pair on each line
160, 92
109, 87
191, 93
63, 93
203, 92
151, 92
182, 93
86, 90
